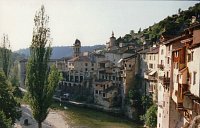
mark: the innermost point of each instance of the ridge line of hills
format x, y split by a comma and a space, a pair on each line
61, 51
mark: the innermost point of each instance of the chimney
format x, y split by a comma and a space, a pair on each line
193, 19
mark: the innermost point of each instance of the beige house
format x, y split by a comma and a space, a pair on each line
107, 84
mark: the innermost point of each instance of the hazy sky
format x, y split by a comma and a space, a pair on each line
91, 21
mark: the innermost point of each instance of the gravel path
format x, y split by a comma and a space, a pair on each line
53, 120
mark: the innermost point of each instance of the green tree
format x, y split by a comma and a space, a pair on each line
151, 116
14, 79
5, 55
4, 122
147, 101
8, 104
41, 81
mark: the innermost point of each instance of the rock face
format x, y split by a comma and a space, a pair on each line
195, 122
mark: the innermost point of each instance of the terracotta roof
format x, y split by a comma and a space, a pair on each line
79, 58
178, 47
172, 40
122, 50
154, 50
144, 51
130, 57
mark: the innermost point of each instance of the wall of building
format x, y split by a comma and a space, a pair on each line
194, 69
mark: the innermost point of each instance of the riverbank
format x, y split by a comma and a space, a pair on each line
77, 117
54, 119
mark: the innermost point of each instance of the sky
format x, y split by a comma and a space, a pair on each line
90, 21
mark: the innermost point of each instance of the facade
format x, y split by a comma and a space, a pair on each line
151, 74
107, 85
178, 89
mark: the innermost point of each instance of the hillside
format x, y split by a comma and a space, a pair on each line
170, 26
62, 51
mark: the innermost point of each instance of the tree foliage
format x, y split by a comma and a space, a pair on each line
5, 55
41, 81
5, 122
170, 26
8, 104
151, 116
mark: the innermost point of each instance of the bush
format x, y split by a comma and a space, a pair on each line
151, 117
5, 122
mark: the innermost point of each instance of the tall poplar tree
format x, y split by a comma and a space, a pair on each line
9, 108
5, 55
41, 81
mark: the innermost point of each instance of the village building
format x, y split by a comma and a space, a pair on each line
107, 85
178, 97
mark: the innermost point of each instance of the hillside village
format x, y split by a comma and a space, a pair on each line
150, 77
167, 72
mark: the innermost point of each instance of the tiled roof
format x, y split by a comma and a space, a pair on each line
144, 51
173, 39
80, 58
154, 50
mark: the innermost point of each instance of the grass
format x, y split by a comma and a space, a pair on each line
89, 118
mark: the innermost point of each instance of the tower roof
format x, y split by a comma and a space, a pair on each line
113, 34
77, 42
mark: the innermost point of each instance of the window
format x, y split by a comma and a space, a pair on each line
192, 56
167, 60
194, 77
154, 57
86, 69
162, 52
150, 65
150, 57
92, 64
129, 65
96, 91
161, 62
177, 78
189, 57
86, 64
190, 76
104, 95
92, 69
168, 48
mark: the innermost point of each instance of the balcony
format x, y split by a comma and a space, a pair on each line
148, 77
166, 81
160, 66
160, 104
150, 89
187, 115
196, 107
179, 106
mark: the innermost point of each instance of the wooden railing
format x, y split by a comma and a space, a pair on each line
160, 66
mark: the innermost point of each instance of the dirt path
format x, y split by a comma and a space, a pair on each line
53, 120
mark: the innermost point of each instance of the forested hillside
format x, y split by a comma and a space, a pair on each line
171, 26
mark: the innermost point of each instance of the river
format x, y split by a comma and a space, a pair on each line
78, 117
